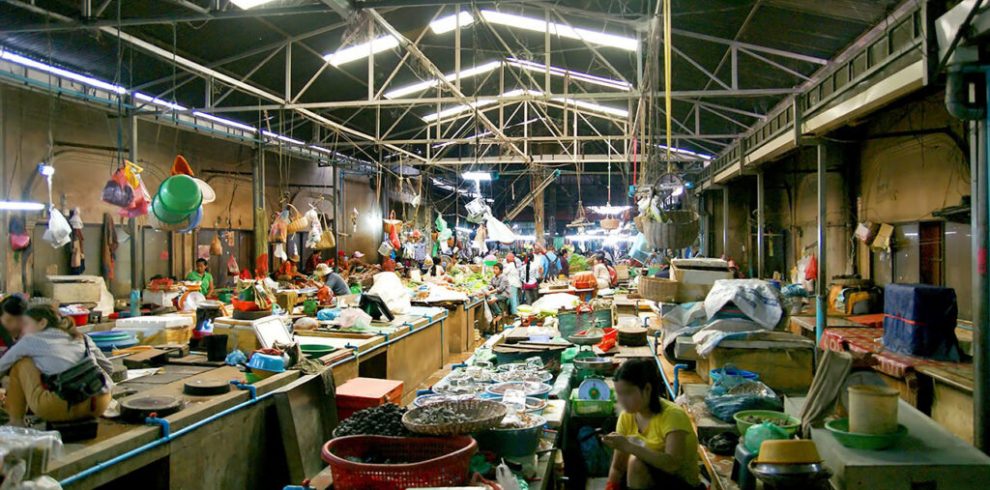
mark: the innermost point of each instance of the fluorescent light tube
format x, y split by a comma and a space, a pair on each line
457, 109
609, 209
21, 206
156, 101
560, 30
20, 60
574, 75
604, 109
446, 24
682, 151
225, 122
421, 86
249, 4
282, 138
362, 50
476, 176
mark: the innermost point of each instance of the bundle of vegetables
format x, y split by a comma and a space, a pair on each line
578, 263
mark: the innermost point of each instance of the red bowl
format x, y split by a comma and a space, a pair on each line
80, 319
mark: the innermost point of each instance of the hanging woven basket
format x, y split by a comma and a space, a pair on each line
609, 224
676, 229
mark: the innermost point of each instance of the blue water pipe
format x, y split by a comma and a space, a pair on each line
677, 382
167, 434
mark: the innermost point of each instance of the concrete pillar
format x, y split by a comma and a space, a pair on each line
538, 205
258, 197
761, 224
725, 221
981, 283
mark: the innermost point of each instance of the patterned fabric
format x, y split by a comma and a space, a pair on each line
868, 340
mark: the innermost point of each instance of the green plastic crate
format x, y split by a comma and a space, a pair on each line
592, 407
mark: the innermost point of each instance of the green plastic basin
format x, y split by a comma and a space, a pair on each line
873, 442
180, 193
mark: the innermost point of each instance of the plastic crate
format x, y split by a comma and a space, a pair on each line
361, 393
592, 407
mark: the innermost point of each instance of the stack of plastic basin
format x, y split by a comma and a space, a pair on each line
178, 199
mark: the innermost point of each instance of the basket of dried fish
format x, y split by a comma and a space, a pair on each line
454, 418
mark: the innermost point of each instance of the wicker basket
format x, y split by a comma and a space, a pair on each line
658, 289
483, 414
609, 224
299, 221
446, 462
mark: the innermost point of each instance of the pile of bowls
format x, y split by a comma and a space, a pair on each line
266, 365
177, 206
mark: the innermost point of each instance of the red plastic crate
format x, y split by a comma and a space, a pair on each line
361, 393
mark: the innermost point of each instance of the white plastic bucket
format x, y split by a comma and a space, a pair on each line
872, 409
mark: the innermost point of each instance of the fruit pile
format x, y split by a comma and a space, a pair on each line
385, 420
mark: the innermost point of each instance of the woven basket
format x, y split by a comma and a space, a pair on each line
299, 221
658, 289
444, 462
609, 224
483, 414
327, 241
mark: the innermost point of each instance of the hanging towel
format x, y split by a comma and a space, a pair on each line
109, 252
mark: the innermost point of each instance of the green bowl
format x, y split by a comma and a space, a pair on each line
166, 214
873, 442
180, 193
316, 350
780, 419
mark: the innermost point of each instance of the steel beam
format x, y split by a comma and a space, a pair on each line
432, 68
821, 286
549, 159
137, 248
75, 25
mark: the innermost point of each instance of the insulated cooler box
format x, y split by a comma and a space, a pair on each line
361, 393
920, 320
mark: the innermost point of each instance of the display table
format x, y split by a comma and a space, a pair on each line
928, 457
805, 325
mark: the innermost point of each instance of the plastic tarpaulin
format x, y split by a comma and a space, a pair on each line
756, 299
920, 320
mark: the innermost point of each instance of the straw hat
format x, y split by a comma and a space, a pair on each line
322, 270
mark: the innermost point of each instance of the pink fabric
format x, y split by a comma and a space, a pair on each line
868, 340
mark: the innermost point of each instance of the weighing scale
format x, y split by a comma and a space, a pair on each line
594, 389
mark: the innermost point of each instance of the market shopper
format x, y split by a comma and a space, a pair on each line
600, 270
654, 442
565, 267
202, 276
12, 310
50, 346
530, 279
511, 273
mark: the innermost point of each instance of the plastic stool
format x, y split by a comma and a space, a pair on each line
740, 467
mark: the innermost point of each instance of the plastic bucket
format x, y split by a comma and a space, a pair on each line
872, 409
194, 220
166, 214
180, 194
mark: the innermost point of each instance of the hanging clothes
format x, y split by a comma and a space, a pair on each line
109, 252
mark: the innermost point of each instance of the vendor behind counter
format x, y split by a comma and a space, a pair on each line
202, 276
334, 281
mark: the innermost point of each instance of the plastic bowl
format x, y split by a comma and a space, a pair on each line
780, 419
80, 319
266, 362
166, 214
873, 442
180, 193
316, 350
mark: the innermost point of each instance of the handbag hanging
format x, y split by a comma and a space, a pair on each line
327, 240
298, 221
80, 382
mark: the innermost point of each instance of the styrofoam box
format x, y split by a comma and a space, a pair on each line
147, 327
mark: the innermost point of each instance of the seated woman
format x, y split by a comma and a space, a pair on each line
498, 292
49, 346
654, 442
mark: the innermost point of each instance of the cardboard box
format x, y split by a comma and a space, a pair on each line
695, 277
882, 241
72, 289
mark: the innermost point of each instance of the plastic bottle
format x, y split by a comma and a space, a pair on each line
135, 303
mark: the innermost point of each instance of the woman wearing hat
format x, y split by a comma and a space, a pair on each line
326, 275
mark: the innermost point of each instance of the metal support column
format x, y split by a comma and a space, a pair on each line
258, 198
761, 225
725, 221
980, 173
821, 295
137, 250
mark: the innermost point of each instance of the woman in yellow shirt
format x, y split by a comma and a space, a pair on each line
654, 442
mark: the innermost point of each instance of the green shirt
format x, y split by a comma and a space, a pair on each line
205, 279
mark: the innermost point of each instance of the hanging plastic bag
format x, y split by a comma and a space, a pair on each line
232, 268
279, 230
216, 248
499, 231
385, 249
19, 238
59, 233
477, 210
279, 252
117, 191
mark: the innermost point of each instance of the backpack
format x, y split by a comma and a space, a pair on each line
553, 270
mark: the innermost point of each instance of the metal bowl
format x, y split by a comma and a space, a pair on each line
585, 339
788, 474
598, 365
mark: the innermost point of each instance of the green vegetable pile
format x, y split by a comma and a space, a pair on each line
578, 263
